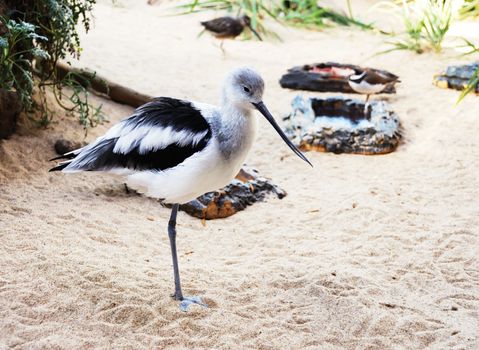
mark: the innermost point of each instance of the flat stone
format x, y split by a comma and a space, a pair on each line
327, 77
246, 189
457, 77
342, 125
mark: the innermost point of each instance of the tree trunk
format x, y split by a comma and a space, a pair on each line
10, 108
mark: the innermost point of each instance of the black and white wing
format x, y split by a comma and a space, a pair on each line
160, 135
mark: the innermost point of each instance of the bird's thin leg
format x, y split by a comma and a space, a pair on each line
366, 105
178, 295
222, 48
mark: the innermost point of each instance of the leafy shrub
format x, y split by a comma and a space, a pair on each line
474, 80
469, 9
38, 34
309, 14
426, 23
17, 50
304, 13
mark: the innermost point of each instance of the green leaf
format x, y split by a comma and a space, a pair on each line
39, 53
3, 43
472, 85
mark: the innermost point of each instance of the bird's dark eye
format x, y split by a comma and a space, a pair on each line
246, 89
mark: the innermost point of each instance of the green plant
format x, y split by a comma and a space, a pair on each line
470, 46
411, 38
56, 20
304, 13
469, 9
470, 87
308, 14
426, 23
73, 96
473, 83
54, 24
437, 20
350, 8
16, 53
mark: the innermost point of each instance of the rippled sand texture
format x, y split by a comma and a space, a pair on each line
364, 252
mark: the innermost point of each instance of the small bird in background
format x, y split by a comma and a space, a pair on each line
229, 27
371, 82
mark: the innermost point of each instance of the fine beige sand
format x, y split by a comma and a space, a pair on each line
365, 252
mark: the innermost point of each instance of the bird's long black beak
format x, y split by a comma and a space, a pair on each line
264, 111
254, 32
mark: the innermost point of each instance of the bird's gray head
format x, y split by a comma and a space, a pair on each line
242, 88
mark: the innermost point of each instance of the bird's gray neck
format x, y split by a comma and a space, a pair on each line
236, 132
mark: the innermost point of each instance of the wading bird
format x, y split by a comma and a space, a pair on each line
177, 150
228, 27
371, 82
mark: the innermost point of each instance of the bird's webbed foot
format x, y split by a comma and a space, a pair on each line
185, 302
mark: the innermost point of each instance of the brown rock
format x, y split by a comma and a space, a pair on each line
457, 77
63, 146
327, 77
246, 189
379, 133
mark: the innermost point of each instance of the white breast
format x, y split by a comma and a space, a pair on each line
197, 175
365, 88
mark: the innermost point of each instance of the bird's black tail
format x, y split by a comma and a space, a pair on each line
69, 156
60, 166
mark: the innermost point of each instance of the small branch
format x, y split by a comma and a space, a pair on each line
101, 85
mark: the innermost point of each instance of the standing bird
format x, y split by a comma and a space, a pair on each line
177, 150
371, 82
228, 27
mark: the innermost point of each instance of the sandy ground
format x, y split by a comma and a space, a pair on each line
364, 252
